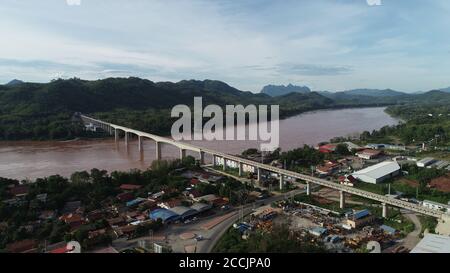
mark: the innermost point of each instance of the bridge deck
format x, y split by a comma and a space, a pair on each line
307, 178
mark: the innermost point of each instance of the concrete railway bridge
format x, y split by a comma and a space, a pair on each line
114, 129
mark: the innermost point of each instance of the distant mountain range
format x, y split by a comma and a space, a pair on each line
280, 90
14, 82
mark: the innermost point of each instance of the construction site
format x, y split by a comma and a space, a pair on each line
339, 232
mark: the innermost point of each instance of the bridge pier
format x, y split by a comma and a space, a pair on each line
384, 210
341, 199
224, 164
241, 168
308, 188
202, 157
126, 138
141, 148
281, 181
258, 174
116, 135
182, 154
158, 150
214, 161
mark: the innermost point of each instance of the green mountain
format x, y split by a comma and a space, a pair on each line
42, 111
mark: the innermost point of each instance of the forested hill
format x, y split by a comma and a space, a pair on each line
44, 111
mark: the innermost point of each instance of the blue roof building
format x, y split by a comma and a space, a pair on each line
388, 229
164, 214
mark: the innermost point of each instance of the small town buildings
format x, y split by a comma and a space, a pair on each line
206, 198
369, 154
378, 173
184, 212
328, 168
201, 207
425, 162
327, 148
359, 218
165, 215
388, 230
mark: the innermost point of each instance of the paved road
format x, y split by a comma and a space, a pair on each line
224, 226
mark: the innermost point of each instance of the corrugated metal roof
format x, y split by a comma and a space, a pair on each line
433, 243
378, 170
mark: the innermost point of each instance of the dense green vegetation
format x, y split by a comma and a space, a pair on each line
44, 111
279, 240
425, 122
95, 189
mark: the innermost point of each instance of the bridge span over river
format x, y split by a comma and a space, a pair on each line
114, 129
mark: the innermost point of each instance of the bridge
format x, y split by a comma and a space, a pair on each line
114, 129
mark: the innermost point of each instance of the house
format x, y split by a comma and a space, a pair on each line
206, 198
194, 182
170, 203
184, 212
24, 246
96, 233
318, 231
425, 162
19, 191
74, 220
360, 218
116, 221
369, 154
194, 194
130, 187
328, 168
42, 197
71, 207
201, 207
135, 202
47, 215
165, 215
125, 196
95, 215
433, 243
348, 180
388, 230
378, 173
327, 148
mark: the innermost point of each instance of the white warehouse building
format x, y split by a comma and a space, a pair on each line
378, 173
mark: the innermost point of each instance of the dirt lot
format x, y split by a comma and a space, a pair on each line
411, 183
441, 183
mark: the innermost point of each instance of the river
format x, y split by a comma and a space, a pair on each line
32, 159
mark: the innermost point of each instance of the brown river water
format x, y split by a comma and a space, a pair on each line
32, 159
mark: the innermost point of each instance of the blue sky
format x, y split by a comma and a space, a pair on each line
324, 44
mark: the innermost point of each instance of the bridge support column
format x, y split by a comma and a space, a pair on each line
141, 148
281, 181
224, 164
202, 157
158, 150
126, 138
182, 154
341, 199
116, 135
384, 210
308, 188
258, 174
241, 168
214, 162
